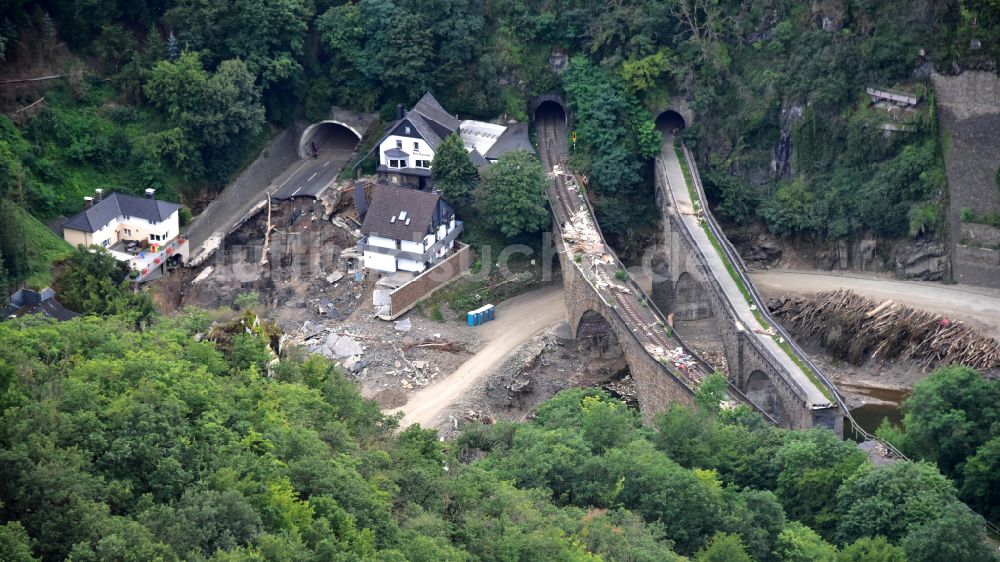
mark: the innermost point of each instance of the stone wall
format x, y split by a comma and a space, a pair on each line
656, 386
968, 108
406, 296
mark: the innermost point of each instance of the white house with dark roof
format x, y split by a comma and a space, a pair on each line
143, 231
407, 230
407, 149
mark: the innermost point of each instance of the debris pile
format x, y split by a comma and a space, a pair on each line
855, 329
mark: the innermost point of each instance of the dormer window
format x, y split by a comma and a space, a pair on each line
407, 129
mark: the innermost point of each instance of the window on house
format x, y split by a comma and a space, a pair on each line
416, 146
407, 129
423, 163
126, 217
397, 163
154, 222
399, 144
104, 243
128, 232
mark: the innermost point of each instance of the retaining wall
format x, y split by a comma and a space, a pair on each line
405, 297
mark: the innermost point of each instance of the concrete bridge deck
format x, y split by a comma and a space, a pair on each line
671, 174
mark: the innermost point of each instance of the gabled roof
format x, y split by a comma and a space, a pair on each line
115, 204
388, 202
26, 302
426, 131
514, 138
432, 111
478, 160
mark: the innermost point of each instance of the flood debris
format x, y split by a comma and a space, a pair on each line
856, 329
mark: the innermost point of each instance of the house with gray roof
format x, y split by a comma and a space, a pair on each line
44, 302
143, 231
406, 230
406, 151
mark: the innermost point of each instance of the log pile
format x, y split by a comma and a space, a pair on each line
855, 329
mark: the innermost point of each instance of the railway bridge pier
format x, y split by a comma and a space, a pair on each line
602, 303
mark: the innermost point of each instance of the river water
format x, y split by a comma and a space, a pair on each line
885, 406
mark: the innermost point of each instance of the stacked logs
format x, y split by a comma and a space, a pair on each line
855, 329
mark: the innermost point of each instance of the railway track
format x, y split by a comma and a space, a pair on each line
624, 298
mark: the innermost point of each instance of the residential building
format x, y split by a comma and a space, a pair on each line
27, 301
143, 231
407, 230
406, 151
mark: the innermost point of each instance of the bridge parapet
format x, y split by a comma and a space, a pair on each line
759, 364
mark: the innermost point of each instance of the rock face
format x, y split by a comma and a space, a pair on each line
924, 260
969, 111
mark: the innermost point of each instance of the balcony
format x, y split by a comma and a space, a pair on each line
425, 257
144, 264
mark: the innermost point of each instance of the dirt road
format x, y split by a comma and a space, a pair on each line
979, 307
517, 320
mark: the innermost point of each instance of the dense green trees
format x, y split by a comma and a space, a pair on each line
213, 114
118, 444
453, 172
951, 419
511, 197
92, 281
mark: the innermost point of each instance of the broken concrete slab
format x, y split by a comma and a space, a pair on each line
334, 277
403, 325
346, 346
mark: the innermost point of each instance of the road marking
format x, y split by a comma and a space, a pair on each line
289, 178
312, 176
296, 191
327, 163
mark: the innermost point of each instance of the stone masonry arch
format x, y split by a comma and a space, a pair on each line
548, 103
762, 391
691, 298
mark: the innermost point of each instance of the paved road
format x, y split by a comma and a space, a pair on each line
308, 176
979, 307
679, 191
517, 320
311, 176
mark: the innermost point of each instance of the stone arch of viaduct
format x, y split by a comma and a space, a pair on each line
683, 285
656, 386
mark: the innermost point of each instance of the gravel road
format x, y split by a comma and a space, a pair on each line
517, 320
979, 307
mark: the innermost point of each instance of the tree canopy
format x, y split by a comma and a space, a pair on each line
511, 196
453, 172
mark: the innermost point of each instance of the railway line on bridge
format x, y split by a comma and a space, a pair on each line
575, 220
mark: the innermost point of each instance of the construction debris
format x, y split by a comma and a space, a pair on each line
856, 329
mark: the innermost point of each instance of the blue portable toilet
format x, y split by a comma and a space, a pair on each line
480, 315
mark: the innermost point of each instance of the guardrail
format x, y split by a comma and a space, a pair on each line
658, 314
740, 267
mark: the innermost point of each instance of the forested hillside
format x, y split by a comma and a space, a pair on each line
177, 95
188, 442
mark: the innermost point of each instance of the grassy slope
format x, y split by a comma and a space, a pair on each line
44, 248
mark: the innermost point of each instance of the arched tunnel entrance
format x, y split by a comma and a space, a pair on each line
670, 122
550, 110
762, 392
331, 138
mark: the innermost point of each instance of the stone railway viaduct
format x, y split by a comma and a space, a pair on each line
685, 286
